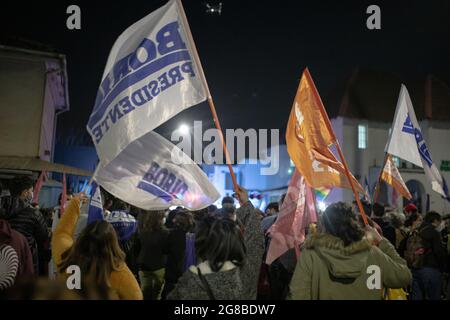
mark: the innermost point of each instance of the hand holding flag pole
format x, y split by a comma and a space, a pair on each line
210, 100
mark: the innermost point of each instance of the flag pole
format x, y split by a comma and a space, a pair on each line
205, 83
377, 186
338, 147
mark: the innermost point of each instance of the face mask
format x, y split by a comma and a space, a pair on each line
29, 198
440, 227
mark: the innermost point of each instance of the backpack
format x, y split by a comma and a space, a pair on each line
415, 251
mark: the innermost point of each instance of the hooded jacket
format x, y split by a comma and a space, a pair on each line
15, 247
328, 270
231, 282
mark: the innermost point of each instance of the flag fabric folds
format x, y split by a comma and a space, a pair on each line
150, 76
392, 176
152, 174
297, 213
406, 141
309, 137
38, 186
95, 211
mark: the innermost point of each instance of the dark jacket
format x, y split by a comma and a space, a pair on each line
387, 229
175, 260
235, 283
328, 270
12, 239
435, 255
30, 223
152, 248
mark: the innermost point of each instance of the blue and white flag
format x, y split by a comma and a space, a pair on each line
95, 211
406, 141
124, 224
151, 75
367, 190
153, 174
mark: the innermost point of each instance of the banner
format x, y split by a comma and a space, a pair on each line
95, 211
392, 176
153, 174
296, 213
150, 77
308, 139
406, 141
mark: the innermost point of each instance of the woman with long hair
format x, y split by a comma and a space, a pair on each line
230, 256
96, 252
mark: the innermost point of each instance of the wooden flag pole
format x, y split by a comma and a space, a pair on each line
210, 100
338, 147
377, 186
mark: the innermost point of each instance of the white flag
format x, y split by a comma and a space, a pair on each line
150, 76
152, 174
407, 142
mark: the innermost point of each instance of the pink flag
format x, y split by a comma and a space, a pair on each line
64, 195
38, 186
297, 213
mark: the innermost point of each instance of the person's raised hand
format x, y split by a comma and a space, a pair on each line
372, 235
242, 195
82, 197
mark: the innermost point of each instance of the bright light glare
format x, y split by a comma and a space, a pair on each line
321, 205
184, 129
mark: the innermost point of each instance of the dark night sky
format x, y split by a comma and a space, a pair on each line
253, 54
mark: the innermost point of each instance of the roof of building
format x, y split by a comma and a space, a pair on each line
372, 95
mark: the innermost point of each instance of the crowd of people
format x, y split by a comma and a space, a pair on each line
216, 254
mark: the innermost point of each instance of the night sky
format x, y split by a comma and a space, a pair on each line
253, 54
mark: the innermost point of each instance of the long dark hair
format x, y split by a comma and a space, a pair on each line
150, 221
218, 240
340, 221
97, 252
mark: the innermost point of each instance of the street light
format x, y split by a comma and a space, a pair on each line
184, 129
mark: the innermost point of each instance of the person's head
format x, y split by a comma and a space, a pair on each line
184, 220
446, 220
366, 207
272, 208
340, 221
219, 240
96, 251
22, 187
378, 210
227, 200
410, 208
397, 219
413, 220
433, 218
151, 221
227, 211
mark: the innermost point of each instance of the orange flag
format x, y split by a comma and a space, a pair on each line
392, 176
309, 135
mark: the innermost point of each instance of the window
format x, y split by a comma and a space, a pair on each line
362, 136
396, 161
